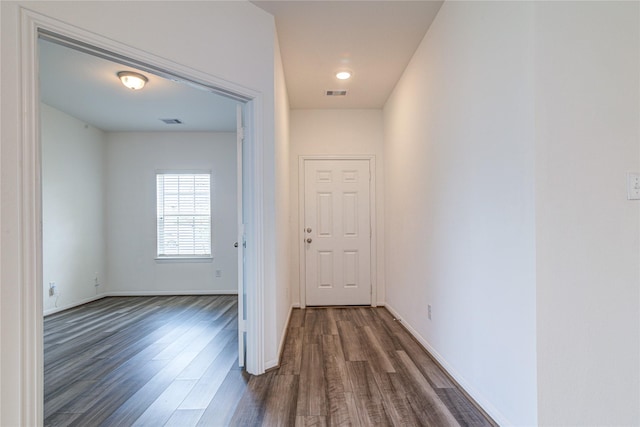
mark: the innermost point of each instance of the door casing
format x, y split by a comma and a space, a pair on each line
372, 210
30, 257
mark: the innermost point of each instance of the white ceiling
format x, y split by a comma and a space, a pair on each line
86, 87
373, 39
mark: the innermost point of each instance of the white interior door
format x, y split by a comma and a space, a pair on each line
240, 243
337, 232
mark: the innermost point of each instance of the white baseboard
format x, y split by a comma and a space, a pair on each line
168, 293
475, 395
276, 363
75, 304
135, 294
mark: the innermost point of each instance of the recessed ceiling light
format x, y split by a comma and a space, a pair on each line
133, 81
343, 75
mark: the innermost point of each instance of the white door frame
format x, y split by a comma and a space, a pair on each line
240, 237
30, 197
372, 209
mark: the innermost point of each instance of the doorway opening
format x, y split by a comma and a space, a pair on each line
103, 148
36, 26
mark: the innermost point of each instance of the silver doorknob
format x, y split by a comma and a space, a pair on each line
309, 240
235, 245
309, 230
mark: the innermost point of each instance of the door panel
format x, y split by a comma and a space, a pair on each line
337, 232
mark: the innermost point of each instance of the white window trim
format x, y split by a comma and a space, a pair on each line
186, 259
183, 258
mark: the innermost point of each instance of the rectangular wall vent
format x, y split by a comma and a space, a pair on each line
336, 93
172, 121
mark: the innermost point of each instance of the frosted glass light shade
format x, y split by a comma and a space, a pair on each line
131, 80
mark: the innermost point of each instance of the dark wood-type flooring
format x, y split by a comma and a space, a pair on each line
172, 361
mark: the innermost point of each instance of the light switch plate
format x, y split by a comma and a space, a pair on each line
633, 186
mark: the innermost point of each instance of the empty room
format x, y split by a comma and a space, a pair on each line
139, 225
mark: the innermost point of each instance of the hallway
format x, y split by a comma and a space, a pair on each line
173, 361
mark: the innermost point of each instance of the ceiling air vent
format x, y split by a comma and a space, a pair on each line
336, 93
172, 121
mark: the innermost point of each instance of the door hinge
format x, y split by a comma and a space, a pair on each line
242, 324
241, 133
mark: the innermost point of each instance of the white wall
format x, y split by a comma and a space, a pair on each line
283, 250
335, 133
73, 209
588, 119
195, 35
99, 204
133, 158
460, 232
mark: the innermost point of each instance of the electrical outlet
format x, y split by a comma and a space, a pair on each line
218, 273
96, 283
53, 289
429, 311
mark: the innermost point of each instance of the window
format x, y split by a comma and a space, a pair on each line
184, 215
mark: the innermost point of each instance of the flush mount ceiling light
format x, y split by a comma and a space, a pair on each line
343, 75
133, 81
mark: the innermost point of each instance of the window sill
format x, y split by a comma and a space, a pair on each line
167, 259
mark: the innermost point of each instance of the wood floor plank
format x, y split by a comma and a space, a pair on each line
441, 414
312, 398
395, 402
280, 409
72, 392
83, 366
97, 410
194, 339
334, 364
405, 342
147, 394
251, 408
312, 326
60, 419
185, 417
376, 354
208, 384
173, 361
352, 407
159, 412
351, 344
461, 408
297, 318
198, 366
111, 391
223, 405
292, 352
332, 325
95, 373
311, 421
367, 395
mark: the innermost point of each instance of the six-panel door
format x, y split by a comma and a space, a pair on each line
337, 232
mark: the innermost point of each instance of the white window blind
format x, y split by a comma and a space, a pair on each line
184, 214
